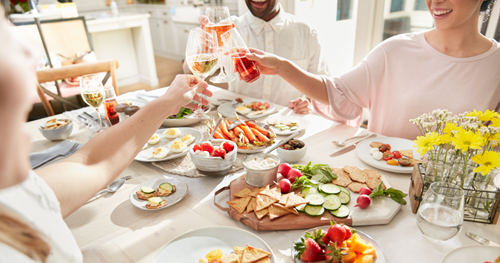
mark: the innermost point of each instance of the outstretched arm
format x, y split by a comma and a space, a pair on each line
102, 159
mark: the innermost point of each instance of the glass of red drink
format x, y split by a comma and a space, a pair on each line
109, 105
237, 49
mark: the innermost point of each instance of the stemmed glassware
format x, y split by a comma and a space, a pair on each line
202, 54
441, 212
219, 16
92, 92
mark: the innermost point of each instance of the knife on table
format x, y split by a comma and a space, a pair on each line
350, 147
482, 240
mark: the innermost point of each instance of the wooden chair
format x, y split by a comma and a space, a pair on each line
73, 71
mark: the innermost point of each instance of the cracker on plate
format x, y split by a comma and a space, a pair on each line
342, 178
274, 193
251, 205
371, 174
163, 203
256, 191
260, 214
239, 204
407, 153
355, 186
243, 193
355, 173
277, 211
291, 209
264, 201
283, 199
143, 196
252, 254
375, 144
295, 200
374, 182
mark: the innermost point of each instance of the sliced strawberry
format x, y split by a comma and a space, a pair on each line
348, 232
228, 147
309, 250
337, 234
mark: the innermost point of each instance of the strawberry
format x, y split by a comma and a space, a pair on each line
309, 250
219, 152
228, 147
207, 147
348, 232
319, 236
197, 147
337, 234
333, 254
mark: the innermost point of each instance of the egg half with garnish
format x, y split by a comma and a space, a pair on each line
160, 153
242, 110
178, 147
154, 139
187, 139
172, 133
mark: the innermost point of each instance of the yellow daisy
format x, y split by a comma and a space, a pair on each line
426, 143
495, 122
451, 127
444, 139
466, 140
487, 161
486, 116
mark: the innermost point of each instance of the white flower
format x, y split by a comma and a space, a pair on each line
484, 130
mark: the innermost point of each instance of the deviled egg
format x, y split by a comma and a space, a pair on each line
242, 110
160, 153
187, 139
172, 133
178, 147
154, 139
145, 146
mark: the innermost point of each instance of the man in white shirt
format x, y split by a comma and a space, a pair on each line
269, 28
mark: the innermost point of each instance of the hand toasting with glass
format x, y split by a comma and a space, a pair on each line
202, 55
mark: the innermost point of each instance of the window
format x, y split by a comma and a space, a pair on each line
344, 10
420, 5
397, 5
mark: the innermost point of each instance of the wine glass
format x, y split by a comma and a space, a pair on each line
92, 93
219, 16
441, 212
201, 56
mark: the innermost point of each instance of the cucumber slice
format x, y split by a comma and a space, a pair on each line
332, 202
314, 210
344, 198
309, 190
342, 212
330, 189
167, 187
315, 199
345, 190
285, 128
156, 200
301, 207
293, 128
319, 187
147, 190
317, 177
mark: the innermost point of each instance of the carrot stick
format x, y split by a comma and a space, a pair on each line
248, 132
260, 129
259, 135
224, 130
217, 135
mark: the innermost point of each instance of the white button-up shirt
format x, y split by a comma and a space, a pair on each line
287, 37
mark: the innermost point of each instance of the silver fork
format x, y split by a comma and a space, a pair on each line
69, 152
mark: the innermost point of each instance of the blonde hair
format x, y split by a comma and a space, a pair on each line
23, 238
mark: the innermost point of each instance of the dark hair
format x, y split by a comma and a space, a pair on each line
485, 5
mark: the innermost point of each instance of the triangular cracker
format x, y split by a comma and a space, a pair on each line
407, 153
252, 254
295, 200
291, 209
274, 193
283, 199
243, 193
260, 214
256, 191
264, 201
239, 204
264, 260
251, 206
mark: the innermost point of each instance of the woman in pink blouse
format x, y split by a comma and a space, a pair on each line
451, 66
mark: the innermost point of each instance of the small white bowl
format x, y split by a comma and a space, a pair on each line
58, 134
292, 156
214, 166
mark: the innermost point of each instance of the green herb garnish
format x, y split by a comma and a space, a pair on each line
394, 194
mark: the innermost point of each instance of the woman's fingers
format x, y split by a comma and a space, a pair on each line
256, 51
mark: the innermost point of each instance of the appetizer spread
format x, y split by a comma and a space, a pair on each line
154, 196
382, 152
207, 150
53, 124
247, 135
247, 254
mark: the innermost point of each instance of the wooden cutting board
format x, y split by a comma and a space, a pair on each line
381, 211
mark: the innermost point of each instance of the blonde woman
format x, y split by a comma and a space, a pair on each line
33, 205
451, 66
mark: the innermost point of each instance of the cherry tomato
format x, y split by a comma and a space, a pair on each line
197, 147
392, 162
387, 156
228, 147
397, 154
384, 148
219, 152
207, 147
404, 161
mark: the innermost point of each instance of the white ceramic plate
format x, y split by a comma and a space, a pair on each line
380, 253
193, 245
181, 122
146, 155
227, 109
257, 149
471, 254
181, 190
303, 123
397, 144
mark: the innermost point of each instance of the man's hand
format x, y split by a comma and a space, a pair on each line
300, 106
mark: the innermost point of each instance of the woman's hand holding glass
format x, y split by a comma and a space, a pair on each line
268, 64
184, 89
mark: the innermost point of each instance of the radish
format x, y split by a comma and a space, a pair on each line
365, 191
294, 174
285, 185
284, 169
363, 201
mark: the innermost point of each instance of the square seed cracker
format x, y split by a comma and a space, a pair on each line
342, 178
355, 186
355, 173
374, 182
371, 174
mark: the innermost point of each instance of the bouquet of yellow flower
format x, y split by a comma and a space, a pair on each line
472, 137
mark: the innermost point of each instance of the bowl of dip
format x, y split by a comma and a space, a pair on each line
261, 171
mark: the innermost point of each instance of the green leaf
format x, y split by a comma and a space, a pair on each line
396, 195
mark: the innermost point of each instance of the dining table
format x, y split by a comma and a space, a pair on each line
111, 229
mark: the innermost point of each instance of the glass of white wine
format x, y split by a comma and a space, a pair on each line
441, 212
92, 93
201, 56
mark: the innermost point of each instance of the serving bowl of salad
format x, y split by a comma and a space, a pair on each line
180, 120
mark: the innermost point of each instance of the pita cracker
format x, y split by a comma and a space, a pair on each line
239, 204
283, 199
415, 161
255, 191
243, 193
301, 195
276, 211
291, 209
407, 153
295, 200
274, 193
260, 214
252, 254
251, 206
239, 252
264, 201
264, 260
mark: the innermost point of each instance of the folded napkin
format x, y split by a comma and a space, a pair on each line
63, 149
